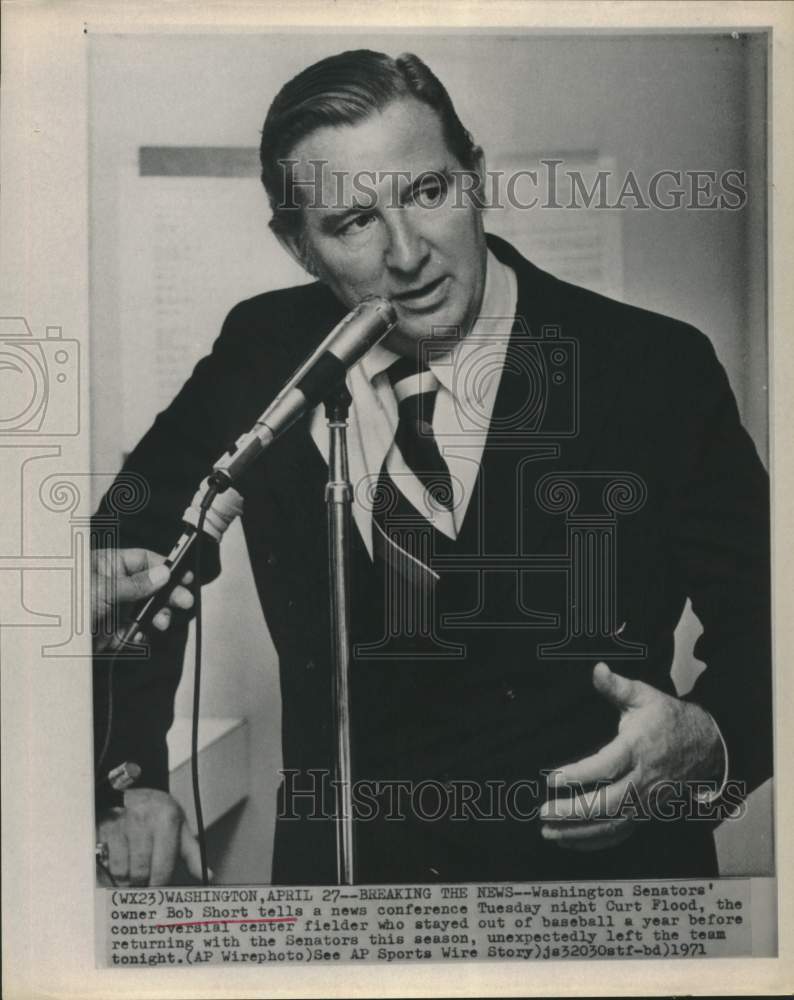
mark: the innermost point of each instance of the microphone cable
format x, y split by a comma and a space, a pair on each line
106, 746
194, 727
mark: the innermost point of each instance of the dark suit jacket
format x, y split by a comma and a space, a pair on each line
634, 399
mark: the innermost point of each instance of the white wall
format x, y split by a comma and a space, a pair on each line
652, 103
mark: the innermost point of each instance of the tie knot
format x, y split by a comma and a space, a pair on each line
410, 379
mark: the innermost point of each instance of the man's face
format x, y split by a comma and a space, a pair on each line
392, 220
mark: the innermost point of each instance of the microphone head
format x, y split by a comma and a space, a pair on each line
381, 306
361, 329
346, 344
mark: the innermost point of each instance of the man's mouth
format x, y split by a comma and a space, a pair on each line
425, 297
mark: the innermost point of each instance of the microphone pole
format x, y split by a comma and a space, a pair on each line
338, 499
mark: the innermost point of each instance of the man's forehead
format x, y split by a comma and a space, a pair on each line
405, 136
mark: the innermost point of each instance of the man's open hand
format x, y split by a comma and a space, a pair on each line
660, 738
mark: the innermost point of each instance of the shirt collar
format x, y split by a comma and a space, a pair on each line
498, 300
377, 360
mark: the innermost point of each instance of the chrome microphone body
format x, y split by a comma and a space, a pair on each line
346, 344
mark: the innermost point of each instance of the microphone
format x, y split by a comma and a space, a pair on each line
323, 370
346, 344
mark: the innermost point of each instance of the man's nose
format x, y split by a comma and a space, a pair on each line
407, 250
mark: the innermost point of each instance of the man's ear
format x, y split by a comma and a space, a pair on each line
479, 162
478, 156
294, 245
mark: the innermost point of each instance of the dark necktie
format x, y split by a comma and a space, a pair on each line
410, 506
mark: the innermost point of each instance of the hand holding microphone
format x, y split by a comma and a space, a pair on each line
121, 578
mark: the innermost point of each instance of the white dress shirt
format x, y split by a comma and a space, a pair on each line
468, 376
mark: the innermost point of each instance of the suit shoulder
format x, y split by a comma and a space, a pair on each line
634, 339
631, 323
298, 305
594, 318
281, 325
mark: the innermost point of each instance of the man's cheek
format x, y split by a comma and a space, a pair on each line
345, 284
459, 218
357, 275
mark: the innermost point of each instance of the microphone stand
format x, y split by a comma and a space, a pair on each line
338, 498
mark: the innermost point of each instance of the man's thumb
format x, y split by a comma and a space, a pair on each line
621, 691
191, 854
143, 584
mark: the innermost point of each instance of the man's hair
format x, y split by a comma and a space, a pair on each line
343, 90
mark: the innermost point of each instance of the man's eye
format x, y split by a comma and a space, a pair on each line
357, 224
430, 193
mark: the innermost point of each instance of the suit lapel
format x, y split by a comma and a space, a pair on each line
555, 399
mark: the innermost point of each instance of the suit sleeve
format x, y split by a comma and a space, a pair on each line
172, 459
720, 541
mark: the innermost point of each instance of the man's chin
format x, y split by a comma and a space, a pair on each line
439, 326
408, 342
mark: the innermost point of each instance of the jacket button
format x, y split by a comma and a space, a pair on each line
310, 665
510, 694
272, 559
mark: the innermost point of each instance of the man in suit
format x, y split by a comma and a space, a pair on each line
541, 474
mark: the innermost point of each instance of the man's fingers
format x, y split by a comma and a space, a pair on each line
610, 762
580, 832
165, 846
118, 852
589, 836
135, 560
140, 842
181, 598
623, 692
162, 619
142, 584
191, 853
599, 804
592, 820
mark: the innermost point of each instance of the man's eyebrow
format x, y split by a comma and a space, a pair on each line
332, 218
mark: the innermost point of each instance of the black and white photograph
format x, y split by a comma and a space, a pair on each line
417, 567
584, 284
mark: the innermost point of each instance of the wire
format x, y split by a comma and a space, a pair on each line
108, 719
109, 715
200, 832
